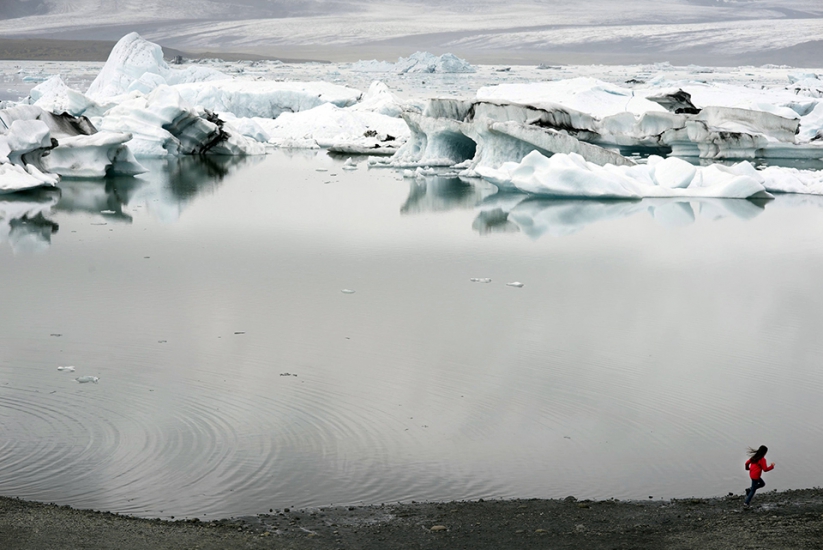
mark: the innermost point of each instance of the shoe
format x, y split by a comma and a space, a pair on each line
745, 506
748, 490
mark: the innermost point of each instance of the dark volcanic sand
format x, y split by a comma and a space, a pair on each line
790, 520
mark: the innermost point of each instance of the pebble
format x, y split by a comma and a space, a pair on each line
438, 528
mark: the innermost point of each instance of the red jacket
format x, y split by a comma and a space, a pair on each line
757, 468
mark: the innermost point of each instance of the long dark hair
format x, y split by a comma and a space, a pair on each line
757, 454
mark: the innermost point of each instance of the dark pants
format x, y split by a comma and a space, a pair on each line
756, 484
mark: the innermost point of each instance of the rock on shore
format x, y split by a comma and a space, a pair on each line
784, 520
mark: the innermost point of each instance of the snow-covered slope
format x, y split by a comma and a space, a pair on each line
707, 31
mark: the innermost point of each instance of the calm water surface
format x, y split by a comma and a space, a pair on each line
652, 342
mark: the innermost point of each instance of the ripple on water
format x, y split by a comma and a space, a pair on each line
201, 448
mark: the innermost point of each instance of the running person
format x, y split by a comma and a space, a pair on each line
756, 465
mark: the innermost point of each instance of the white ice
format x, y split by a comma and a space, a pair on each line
570, 175
136, 64
418, 62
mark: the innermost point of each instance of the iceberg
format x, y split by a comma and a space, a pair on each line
571, 176
711, 121
265, 98
55, 96
163, 124
136, 64
331, 126
47, 145
15, 178
418, 62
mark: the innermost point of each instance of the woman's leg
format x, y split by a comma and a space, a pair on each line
756, 484
750, 492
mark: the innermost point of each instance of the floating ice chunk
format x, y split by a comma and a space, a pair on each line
347, 291
14, 178
66, 369
164, 124
331, 126
673, 173
24, 136
265, 99
379, 99
147, 83
516, 284
480, 280
571, 176
248, 127
55, 96
92, 156
131, 58
584, 94
418, 62
87, 379
136, 64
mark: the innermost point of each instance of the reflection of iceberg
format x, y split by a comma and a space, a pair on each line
437, 194
558, 217
164, 191
24, 222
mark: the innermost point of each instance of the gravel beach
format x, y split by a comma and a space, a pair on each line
789, 519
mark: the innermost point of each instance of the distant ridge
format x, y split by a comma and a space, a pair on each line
39, 49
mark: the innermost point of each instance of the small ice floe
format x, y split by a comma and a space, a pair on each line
66, 369
347, 291
320, 170
108, 212
240, 332
287, 374
87, 379
349, 164
480, 280
516, 284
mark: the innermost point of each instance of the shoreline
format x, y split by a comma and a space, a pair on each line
787, 519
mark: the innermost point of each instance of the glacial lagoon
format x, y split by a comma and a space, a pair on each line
651, 342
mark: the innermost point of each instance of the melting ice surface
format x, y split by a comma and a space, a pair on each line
643, 333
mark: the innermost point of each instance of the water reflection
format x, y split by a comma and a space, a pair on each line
439, 194
24, 220
168, 187
505, 212
560, 217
